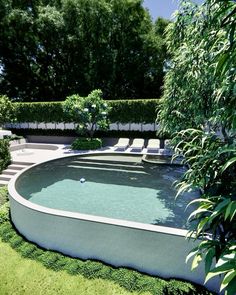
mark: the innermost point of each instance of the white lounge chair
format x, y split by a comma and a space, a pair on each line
153, 145
123, 144
138, 144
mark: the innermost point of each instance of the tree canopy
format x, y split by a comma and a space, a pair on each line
199, 107
50, 49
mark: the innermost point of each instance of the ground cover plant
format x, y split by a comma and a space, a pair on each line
199, 105
5, 156
3, 195
71, 275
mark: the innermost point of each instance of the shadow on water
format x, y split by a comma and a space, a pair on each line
117, 170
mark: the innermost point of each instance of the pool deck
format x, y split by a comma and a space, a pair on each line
38, 155
27, 154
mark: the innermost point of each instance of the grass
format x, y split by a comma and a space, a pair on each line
28, 269
24, 276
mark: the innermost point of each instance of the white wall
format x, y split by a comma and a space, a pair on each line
154, 252
113, 126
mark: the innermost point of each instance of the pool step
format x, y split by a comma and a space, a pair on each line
9, 172
5, 177
3, 183
14, 168
22, 163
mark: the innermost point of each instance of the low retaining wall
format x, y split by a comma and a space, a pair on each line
156, 252
71, 126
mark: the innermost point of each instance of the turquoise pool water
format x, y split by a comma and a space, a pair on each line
120, 187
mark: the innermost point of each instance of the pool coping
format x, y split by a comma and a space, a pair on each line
87, 217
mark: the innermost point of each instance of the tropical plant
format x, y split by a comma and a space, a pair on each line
89, 112
199, 105
6, 110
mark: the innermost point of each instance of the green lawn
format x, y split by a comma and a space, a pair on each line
24, 276
28, 269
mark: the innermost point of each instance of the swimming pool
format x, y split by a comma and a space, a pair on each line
113, 186
99, 227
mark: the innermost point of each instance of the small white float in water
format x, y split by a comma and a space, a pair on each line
82, 180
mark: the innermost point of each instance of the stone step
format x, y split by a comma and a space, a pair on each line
16, 167
22, 163
5, 177
3, 182
10, 171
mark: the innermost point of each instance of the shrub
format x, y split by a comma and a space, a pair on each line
28, 250
16, 241
5, 228
176, 287
86, 144
90, 112
52, 260
40, 112
124, 111
72, 267
91, 269
3, 195
4, 213
136, 111
6, 110
5, 156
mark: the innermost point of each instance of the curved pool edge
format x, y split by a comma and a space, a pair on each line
153, 249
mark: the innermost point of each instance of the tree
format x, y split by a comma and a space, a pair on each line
199, 105
6, 110
50, 49
89, 112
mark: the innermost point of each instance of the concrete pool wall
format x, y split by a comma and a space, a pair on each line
156, 250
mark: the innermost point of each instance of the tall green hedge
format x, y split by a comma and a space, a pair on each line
124, 111
5, 156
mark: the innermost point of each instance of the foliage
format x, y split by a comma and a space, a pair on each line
134, 111
86, 144
89, 112
4, 212
40, 112
51, 49
124, 111
199, 103
72, 133
5, 156
3, 195
6, 110
129, 279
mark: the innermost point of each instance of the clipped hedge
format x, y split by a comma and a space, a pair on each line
73, 133
86, 144
5, 156
124, 111
3, 195
39, 112
136, 111
129, 279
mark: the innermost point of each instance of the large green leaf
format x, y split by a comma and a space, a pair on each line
228, 163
